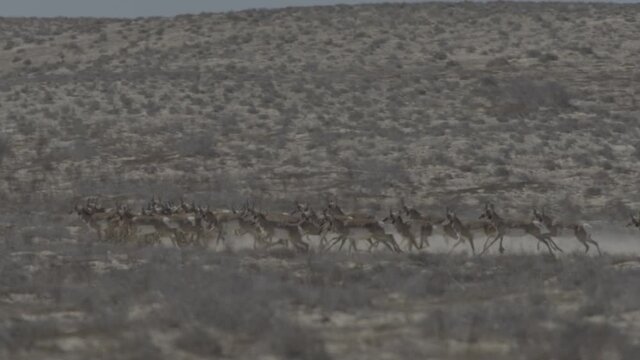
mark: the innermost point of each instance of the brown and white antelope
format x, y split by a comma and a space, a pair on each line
516, 228
454, 227
635, 222
147, 229
403, 229
275, 223
353, 229
423, 224
102, 221
584, 236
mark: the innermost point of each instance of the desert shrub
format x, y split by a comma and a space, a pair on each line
198, 145
497, 62
440, 55
592, 191
537, 94
534, 53
583, 159
5, 148
197, 341
501, 171
523, 95
546, 57
294, 342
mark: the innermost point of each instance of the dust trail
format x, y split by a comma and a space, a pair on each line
612, 240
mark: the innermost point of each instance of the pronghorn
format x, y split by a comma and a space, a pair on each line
487, 227
148, 229
283, 222
231, 222
98, 219
333, 209
188, 228
635, 222
552, 226
353, 229
425, 225
403, 229
580, 230
581, 233
461, 232
312, 224
514, 228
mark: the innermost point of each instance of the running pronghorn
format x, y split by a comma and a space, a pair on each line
403, 229
552, 226
230, 222
453, 226
333, 209
581, 233
102, 221
580, 230
283, 222
424, 224
516, 228
189, 228
311, 224
353, 229
146, 229
635, 222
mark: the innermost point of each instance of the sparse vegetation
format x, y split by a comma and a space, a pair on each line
238, 305
5, 148
439, 104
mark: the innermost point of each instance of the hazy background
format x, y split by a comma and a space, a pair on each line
133, 8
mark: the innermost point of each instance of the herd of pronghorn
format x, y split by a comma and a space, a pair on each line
190, 225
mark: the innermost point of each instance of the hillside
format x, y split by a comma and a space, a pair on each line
521, 104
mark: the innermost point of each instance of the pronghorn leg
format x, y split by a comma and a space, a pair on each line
491, 244
458, 242
335, 241
413, 243
389, 243
424, 239
394, 243
352, 245
593, 242
586, 246
258, 238
343, 240
484, 247
299, 244
473, 248
221, 235
501, 248
372, 244
323, 241
553, 243
546, 243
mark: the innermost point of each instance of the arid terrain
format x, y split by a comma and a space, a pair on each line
374, 106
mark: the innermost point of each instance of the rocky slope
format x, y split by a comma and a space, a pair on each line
521, 104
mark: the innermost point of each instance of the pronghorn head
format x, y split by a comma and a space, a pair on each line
80, 210
489, 212
390, 218
300, 208
450, 214
536, 215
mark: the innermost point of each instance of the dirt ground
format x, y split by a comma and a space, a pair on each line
75, 298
